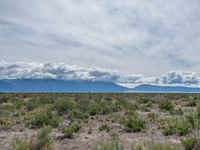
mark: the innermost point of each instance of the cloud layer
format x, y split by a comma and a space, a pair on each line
116, 34
62, 71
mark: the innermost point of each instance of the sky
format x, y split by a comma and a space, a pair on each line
130, 41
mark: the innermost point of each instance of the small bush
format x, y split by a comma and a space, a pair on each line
157, 146
43, 139
191, 103
4, 99
191, 120
32, 104
183, 128
94, 109
104, 127
133, 123
189, 142
44, 118
177, 111
137, 147
152, 116
166, 105
114, 144
144, 100
153, 146
129, 105
169, 131
76, 113
20, 144
71, 129
178, 126
107, 108
5, 123
107, 146
144, 108
64, 105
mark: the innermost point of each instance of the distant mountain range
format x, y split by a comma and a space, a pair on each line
164, 89
53, 85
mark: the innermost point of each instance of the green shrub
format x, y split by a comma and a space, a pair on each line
19, 104
107, 108
44, 118
94, 109
144, 108
152, 116
191, 103
177, 111
64, 105
189, 142
103, 108
71, 129
191, 120
158, 146
107, 146
153, 146
7, 108
84, 104
137, 147
166, 105
32, 104
114, 144
4, 99
178, 126
183, 128
20, 144
5, 123
76, 113
144, 100
133, 123
44, 141
169, 131
104, 127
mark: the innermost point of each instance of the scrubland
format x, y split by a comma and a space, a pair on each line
99, 121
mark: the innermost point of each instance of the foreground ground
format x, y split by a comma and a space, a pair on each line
98, 121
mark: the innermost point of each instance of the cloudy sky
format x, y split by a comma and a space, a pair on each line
154, 41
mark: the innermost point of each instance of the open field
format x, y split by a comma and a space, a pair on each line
99, 121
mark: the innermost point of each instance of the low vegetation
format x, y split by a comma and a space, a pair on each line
178, 125
71, 129
44, 117
154, 146
189, 142
47, 121
41, 141
132, 122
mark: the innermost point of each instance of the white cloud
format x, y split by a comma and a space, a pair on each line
62, 71
116, 34
180, 77
21, 70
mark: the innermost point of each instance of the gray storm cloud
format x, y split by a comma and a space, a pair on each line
62, 71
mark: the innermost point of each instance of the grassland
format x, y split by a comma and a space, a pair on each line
99, 121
